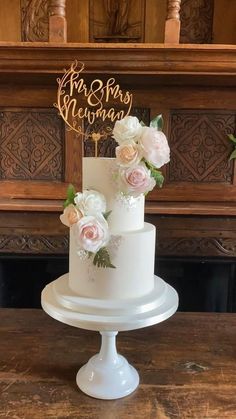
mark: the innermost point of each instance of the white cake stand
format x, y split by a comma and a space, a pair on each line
108, 375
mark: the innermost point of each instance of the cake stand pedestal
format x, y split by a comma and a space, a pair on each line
108, 375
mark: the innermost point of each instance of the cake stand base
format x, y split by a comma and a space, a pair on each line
107, 375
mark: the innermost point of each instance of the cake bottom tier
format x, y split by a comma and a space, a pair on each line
131, 253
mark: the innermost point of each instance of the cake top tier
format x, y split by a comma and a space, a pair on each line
127, 212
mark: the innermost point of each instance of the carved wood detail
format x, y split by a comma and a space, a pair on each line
31, 145
107, 145
117, 21
173, 8
208, 246
199, 145
196, 21
34, 20
34, 244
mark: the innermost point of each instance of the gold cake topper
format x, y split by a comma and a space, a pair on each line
77, 101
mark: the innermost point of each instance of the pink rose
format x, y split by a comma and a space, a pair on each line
91, 233
128, 154
154, 146
70, 216
136, 180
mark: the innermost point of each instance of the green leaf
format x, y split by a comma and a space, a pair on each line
232, 138
106, 214
102, 259
158, 176
233, 155
70, 196
157, 123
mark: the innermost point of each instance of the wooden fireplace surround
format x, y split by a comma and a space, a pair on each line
193, 86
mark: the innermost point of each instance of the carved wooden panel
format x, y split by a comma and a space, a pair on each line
31, 145
34, 20
34, 244
196, 21
116, 21
199, 145
106, 145
196, 247
195, 236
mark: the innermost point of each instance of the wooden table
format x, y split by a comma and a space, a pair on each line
187, 367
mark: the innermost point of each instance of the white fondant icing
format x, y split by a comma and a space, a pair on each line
127, 214
134, 273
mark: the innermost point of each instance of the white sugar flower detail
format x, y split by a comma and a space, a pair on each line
127, 129
90, 202
155, 148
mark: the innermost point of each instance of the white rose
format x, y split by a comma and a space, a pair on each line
127, 129
91, 233
154, 146
90, 202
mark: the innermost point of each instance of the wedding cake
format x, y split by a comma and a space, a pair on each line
112, 249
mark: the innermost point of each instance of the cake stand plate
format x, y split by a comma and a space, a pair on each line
108, 375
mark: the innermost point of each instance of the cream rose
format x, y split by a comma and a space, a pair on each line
90, 202
127, 129
70, 216
128, 153
154, 146
136, 180
91, 233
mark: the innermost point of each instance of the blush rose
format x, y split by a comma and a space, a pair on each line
91, 233
136, 180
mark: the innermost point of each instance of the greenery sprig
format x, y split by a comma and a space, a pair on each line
157, 122
70, 196
156, 174
233, 139
102, 259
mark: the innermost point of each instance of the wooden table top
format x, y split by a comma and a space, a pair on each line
187, 368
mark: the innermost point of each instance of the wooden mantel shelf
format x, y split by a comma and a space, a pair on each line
160, 208
140, 59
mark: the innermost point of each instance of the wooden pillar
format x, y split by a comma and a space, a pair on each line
57, 21
172, 25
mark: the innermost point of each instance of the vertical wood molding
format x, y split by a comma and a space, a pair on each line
57, 21
172, 25
77, 16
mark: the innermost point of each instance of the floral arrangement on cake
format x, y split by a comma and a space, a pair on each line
141, 151
85, 213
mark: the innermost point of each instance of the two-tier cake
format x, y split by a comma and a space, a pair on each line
112, 250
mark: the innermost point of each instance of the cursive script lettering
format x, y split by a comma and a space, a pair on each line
73, 92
